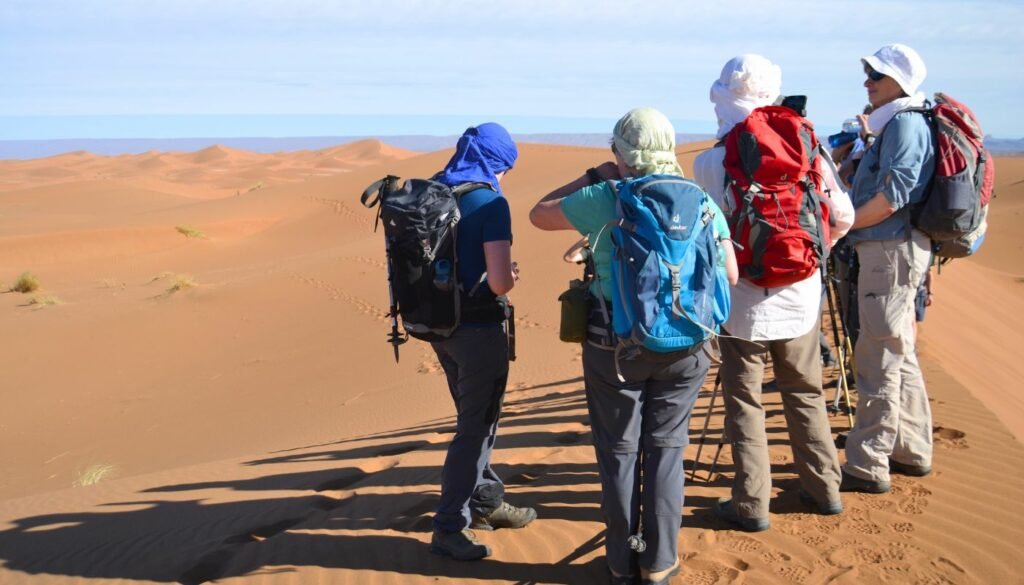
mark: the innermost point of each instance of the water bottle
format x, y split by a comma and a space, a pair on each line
443, 274
851, 131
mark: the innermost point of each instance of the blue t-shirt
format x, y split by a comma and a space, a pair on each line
899, 164
485, 218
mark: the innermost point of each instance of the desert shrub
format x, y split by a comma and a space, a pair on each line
190, 231
26, 283
43, 300
181, 282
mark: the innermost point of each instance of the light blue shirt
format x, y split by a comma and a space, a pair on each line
899, 164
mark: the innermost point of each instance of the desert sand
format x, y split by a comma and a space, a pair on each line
225, 407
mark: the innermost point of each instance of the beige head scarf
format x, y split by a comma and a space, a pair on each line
646, 141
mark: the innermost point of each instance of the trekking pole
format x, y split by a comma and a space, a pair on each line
842, 385
718, 452
636, 541
707, 420
383, 188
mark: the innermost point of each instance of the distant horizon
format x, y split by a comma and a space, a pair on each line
34, 149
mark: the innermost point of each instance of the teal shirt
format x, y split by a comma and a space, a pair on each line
590, 209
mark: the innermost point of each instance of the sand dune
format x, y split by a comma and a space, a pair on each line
255, 428
216, 171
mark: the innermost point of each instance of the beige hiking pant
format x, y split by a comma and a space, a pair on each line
894, 419
797, 366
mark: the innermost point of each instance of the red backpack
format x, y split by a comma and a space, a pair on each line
780, 222
953, 212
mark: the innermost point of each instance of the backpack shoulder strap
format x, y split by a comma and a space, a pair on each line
383, 187
460, 190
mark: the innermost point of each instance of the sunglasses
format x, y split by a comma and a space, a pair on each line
874, 75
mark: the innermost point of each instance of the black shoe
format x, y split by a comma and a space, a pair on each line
614, 579
841, 439
909, 470
460, 546
504, 516
725, 510
852, 483
826, 508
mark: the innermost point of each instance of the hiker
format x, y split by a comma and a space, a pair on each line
640, 406
893, 431
782, 321
475, 357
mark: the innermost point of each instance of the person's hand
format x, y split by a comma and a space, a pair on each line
864, 129
928, 300
515, 270
609, 171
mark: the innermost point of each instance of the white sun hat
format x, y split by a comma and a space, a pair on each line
901, 63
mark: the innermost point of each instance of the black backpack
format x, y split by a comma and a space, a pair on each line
420, 230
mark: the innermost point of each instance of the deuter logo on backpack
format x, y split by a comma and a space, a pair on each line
954, 211
780, 221
668, 293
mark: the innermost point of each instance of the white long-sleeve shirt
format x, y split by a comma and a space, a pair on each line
784, 312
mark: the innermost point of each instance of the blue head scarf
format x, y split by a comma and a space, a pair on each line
481, 153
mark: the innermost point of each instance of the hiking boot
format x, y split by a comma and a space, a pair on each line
504, 516
614, 579
460, 546
725, 510
823, 508
910, 470
852, 483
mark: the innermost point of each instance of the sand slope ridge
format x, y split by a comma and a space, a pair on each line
252, 425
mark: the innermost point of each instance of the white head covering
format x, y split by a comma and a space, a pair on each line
747, 82
901, 63
646, 141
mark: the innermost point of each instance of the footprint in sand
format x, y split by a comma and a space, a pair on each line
430, 368
707, 572
743, 544
912, 496
793, 574
815, 540
903, 527
949, 438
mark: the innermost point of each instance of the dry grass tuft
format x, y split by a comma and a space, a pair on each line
181, 282
42, 300
190, 231
93, 475
26, 283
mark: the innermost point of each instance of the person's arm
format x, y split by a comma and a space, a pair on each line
732, 271
900, 160
501, 276
874, 212
841, 212
497, 244
547, 214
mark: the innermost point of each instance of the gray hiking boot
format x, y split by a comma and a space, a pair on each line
852, 483
909, 470
504, 516
460, 546
725, 510
824, 508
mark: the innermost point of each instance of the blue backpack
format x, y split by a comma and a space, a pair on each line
668, 293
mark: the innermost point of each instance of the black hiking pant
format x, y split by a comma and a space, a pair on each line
475, 361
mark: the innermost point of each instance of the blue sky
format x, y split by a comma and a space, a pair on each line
160, 68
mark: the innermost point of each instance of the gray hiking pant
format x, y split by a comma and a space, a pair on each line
640, 429
894, 418
475, 361
797, 366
